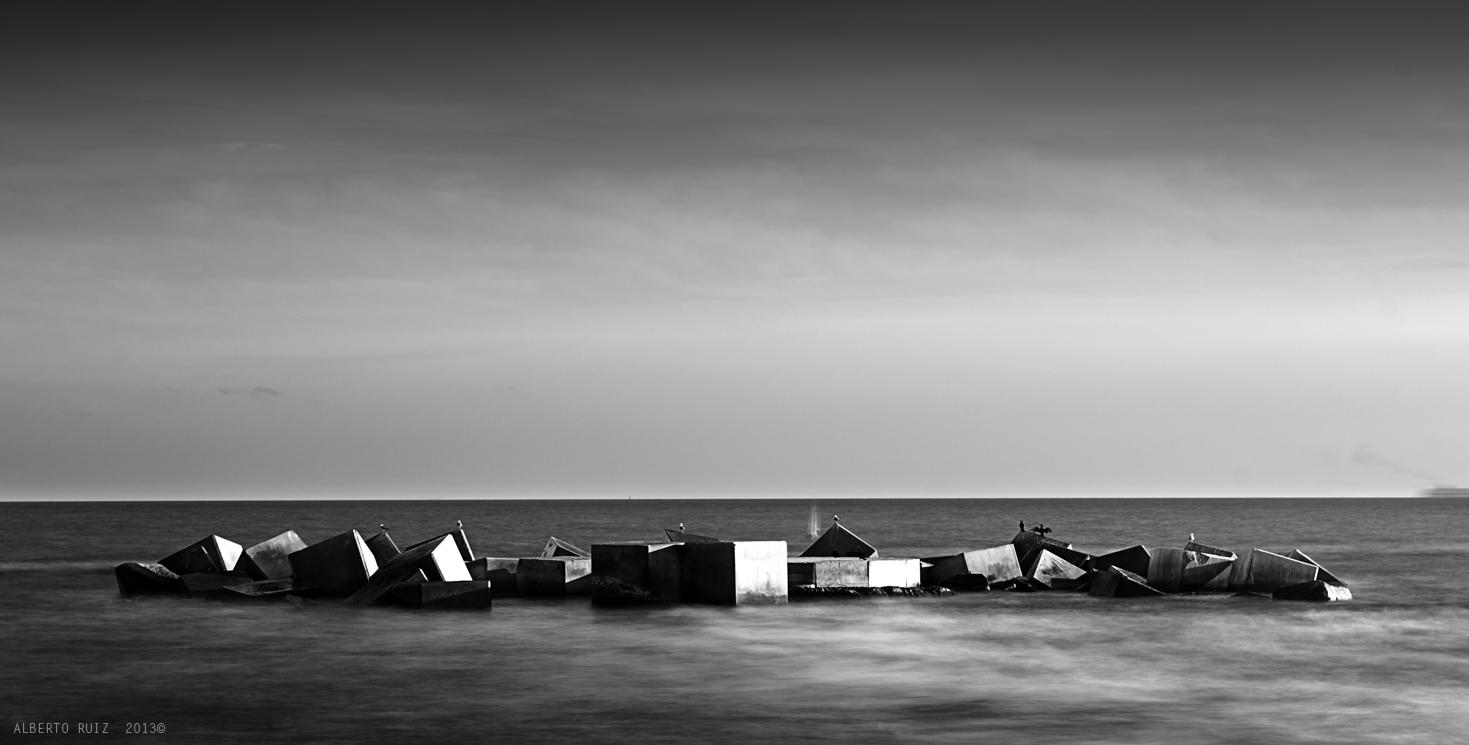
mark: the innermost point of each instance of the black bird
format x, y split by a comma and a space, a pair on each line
1044, 531
1022, 526
1037, 529
382, 527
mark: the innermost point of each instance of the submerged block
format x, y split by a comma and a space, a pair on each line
998, 565
837, 541
267, 559
1135, 559
223, 555
893, 573
437, 555
654, 568
735, 572
1321, 572
1263, 571
134, 578
1052, 571
1316, 590
340, 565
460, 595
680, 536
1116, 582
273, 588
557, 547
556, 577
196, 583
498, 571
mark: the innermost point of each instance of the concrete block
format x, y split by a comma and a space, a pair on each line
1206, 572
735, 572
555, 577
1116, 582
1135, 559
498, 571
1315, 590
680, 536
655, 568
459, 595
197, 583
1201, 548
134, 578
267, 559
837, 541
461, 544
1053, 572
1321, 572
192, 560
893, 573
383, 547
826, 572
998, 565
340, 565
1263, 571
273, 589
437, 555
223, 554
557, 547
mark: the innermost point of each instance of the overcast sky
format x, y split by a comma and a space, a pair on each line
833, 249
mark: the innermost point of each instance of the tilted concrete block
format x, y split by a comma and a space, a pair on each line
273, 589
557, 547
735, 572
383, 547
1135, 559
498, 571
437, 555
1321, 573
1315, 590
1206, 572
554, 577
998, 564
655, 568
338, 566
223, 554
679, 536
134, 578
1116, 582
1201, 548
1052, 571
459, 595
268, 559
201, 583
837, 541
1263, 571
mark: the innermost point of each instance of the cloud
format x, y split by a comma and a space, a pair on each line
256, 391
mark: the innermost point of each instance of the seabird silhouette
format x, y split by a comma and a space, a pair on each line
680, 527
836, 518
459, 524
382, 527
1022, 526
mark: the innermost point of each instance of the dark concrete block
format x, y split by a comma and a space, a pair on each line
223, 555
1321, 572
1053, 572
200, 583
498, 571
134, 578
998, 564
1315, 590
273, 589
383, 547
735, 572
553, 577
1263, 571
1206, 572
1201, 548
192, 560
557, 547
460, 595
655, 568
1135, 559
438, 555
837, 541
339, 566
1116, 582
268, 559
679, 536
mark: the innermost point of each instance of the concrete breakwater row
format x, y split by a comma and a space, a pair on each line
443, 572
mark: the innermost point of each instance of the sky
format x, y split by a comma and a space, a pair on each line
551, 249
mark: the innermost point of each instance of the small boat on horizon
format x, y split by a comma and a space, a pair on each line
1445, 491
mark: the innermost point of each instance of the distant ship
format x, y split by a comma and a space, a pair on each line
1445, 491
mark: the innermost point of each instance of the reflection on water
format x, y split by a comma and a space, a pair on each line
1057, 667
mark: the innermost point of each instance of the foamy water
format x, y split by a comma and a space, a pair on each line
1389, 666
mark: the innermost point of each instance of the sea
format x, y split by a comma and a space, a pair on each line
1389, 666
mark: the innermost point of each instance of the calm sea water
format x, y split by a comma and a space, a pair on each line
1390, 666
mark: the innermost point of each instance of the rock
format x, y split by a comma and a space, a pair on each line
679, 536
735, 572
134, 578
273, 589
435, 557
654, 568
556, 577
1263, 571
1135, 559
267, 559
1317, 590
1321, 572
1116, 582
338, 566
498, 571
457, 595
809, 592
837, 541
998, 565
557, 547
222, 555
1053, 572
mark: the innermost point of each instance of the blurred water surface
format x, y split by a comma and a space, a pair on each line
1390, 666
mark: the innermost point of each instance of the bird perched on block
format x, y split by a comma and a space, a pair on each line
1190, 537
1022, 526
382, 527
836, 518
680, 527
459, 524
